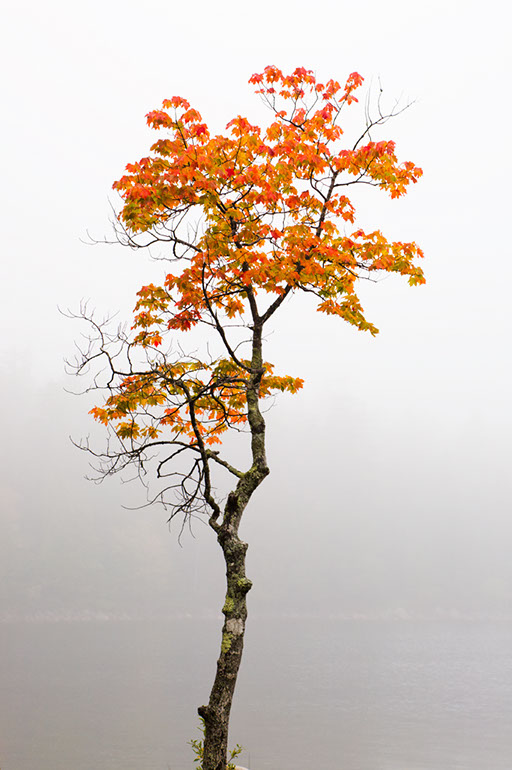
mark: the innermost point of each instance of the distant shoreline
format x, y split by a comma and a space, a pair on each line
396, 615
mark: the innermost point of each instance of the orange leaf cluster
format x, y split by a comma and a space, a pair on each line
194, 398
274, 219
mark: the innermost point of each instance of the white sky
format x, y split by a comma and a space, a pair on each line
78, 82
428, 400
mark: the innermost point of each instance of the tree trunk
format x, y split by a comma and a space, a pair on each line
216, 713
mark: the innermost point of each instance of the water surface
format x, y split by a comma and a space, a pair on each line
330, 694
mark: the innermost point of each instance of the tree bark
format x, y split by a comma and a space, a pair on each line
216, 713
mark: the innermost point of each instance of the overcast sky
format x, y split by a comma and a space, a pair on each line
393, 464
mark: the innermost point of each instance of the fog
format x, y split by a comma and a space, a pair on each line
368, 510
390, 486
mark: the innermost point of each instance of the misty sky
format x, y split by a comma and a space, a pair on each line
390, 473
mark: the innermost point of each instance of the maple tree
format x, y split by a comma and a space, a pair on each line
250, 218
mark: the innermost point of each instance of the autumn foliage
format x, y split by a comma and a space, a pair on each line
252, 216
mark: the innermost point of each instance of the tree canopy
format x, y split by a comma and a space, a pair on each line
252, 216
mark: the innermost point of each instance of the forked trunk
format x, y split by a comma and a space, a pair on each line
216, 713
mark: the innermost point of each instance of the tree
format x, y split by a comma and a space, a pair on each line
252, 218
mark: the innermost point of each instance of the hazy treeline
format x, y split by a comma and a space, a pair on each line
347, 537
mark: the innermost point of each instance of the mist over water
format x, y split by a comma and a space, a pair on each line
358, 695
341, 527
379, 633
